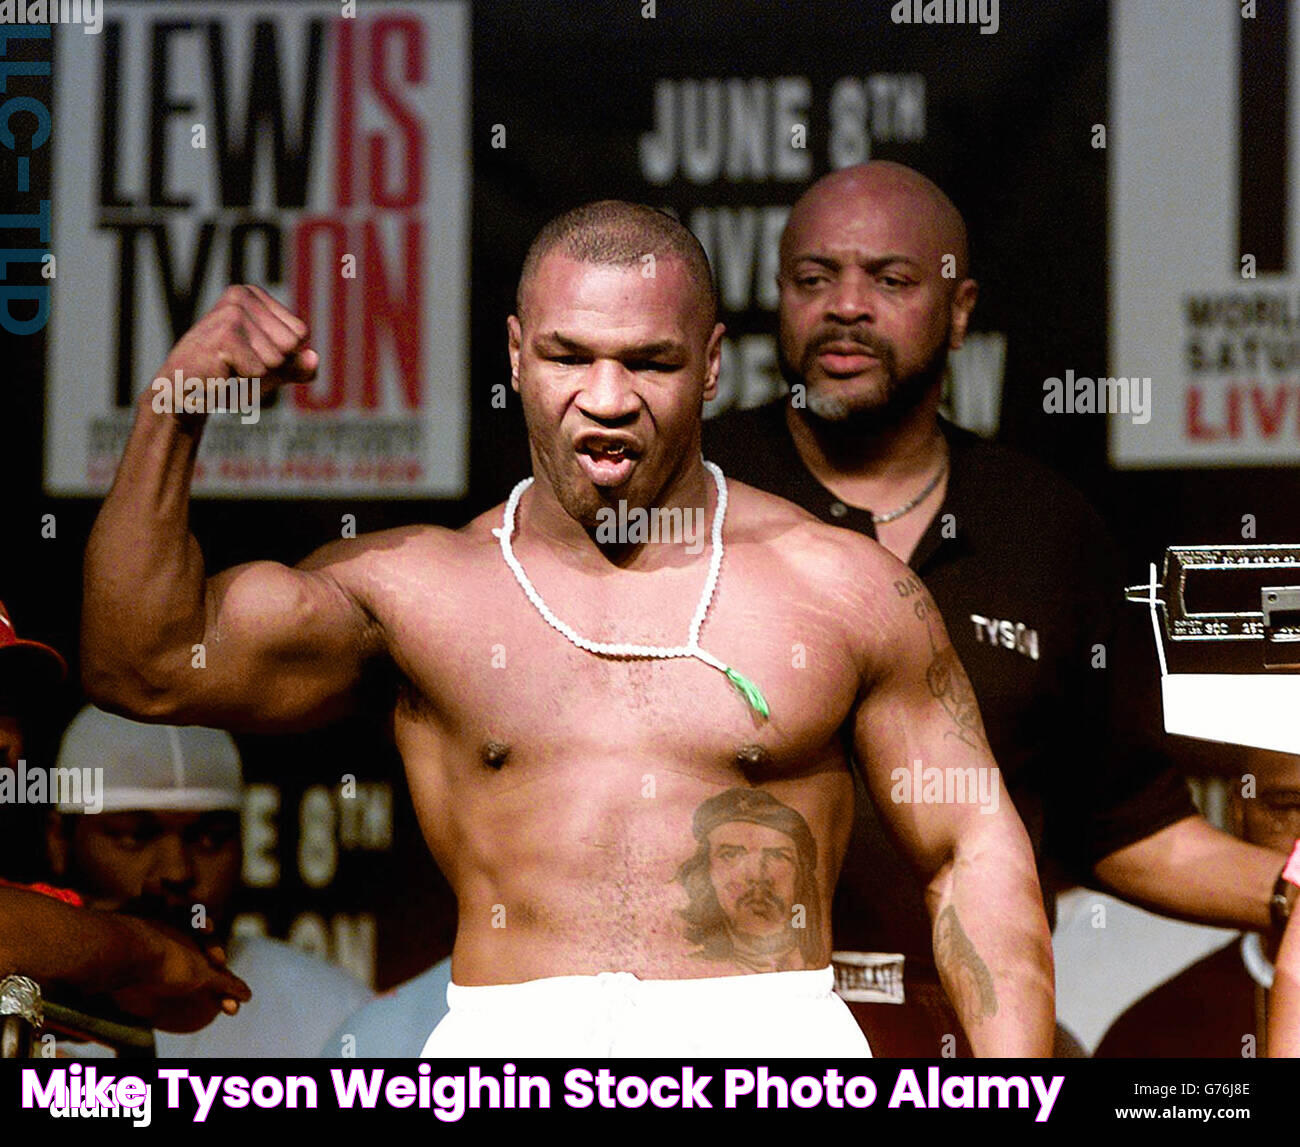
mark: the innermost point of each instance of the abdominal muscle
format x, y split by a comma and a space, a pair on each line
596, 867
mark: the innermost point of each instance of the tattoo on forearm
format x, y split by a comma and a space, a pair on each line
755, 902
968, 976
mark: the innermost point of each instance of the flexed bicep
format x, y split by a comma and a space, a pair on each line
283, 647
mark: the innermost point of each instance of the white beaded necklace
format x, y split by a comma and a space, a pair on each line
747, 688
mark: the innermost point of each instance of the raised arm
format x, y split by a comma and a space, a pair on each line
921, 742
281, 647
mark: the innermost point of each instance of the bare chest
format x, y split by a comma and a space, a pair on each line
485, 669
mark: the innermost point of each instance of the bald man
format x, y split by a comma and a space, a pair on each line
874, 293
575, 688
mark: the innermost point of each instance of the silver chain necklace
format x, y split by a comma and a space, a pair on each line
908, 507
751, 693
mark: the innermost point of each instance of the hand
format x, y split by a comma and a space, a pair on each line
180, 986
247, 334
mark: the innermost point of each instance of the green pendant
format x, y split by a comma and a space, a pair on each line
751, 692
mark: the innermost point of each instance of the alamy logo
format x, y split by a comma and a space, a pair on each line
181, 395
981, 785
1084, 395
88, 13
83, 788
70, 1095
981, 12
673, 525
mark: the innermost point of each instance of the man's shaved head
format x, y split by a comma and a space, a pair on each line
882, 183
614, 350
613, 233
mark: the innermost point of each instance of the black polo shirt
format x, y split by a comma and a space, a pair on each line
1028, 583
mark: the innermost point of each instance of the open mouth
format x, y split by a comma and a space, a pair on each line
603, 452
607, 462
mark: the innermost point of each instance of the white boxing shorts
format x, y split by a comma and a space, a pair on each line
766, 1015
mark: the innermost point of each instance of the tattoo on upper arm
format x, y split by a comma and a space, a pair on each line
950, 686
967, 974
944, 676
755, 901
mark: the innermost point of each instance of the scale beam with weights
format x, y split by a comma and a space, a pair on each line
25, 1015
1227, 631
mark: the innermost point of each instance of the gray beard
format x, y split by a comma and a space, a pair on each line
900, 399
897, 405
828, 407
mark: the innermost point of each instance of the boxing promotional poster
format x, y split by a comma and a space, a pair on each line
365, 183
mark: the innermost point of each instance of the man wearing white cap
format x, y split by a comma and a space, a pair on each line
48, 940
167, 847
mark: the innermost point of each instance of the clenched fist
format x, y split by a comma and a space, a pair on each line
248, 334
